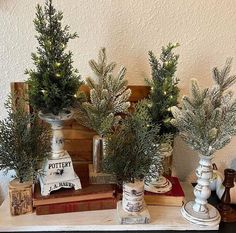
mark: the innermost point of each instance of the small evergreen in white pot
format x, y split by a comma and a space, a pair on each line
207, 122
24, 142
129, 155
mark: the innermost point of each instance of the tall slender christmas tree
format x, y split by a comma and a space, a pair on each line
164, 90
108, 97
54, 82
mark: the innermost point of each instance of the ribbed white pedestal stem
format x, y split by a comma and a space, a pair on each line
199, 211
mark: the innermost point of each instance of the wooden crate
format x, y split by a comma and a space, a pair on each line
78, 139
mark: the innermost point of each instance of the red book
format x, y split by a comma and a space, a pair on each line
100, 204
174, 197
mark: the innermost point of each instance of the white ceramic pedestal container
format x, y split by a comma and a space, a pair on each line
58, 171
199, 211
132, 209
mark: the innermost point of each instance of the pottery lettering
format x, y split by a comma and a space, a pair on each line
59, 165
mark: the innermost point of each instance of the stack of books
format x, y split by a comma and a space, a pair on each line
175, 197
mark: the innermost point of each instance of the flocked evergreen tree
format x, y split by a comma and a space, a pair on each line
108, 97
207, 120
24, 142
164, 90
130, 150
54, 82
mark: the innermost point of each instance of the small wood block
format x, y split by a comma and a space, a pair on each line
100, 178
20, 195
124, 217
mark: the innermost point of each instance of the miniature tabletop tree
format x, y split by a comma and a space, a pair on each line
164, 90
54, 82
24, 142
108, 97
130, 148
206, 122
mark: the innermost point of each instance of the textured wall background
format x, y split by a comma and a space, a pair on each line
205, 29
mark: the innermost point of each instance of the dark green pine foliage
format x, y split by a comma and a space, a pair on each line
54, 82
164, 90
24, 142
130, 148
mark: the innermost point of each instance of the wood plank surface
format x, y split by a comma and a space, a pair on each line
162, 218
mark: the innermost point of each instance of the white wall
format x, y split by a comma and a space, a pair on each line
205, 29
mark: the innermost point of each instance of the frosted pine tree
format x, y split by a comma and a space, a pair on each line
108, 97
207, 120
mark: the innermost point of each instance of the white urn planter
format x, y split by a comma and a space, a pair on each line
199, 211
58, 171
132, 209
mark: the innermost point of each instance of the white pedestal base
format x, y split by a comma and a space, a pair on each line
58, 173
124, 217
163, 185
210, 218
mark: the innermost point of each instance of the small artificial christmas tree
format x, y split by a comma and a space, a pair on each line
129, 149
24, 142
54, 82
163, 95
206, 122
108, 97
129, 156
53, 85
164, 90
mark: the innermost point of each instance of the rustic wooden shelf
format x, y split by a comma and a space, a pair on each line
162, 218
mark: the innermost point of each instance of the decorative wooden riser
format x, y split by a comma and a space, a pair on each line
20, 198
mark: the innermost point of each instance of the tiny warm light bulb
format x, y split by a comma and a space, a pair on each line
164, 92
75, 95
43, 91
57, 64
58, 75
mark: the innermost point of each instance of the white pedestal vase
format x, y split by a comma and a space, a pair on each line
199, 211
132, 209
58, 171
159, 183
96, 175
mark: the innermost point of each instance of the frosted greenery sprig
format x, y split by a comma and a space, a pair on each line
108, 97
207, 120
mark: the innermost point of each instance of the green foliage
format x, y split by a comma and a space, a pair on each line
164, 91
23, 141
108, 97
207, 121
54, 82
130, 150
